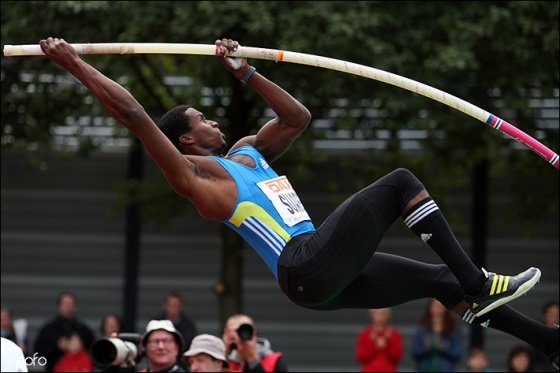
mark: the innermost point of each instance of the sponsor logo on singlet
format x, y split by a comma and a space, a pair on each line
284, 199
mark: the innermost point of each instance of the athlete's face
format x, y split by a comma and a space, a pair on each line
205, 137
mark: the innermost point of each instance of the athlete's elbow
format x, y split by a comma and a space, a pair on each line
307, 116
304, 118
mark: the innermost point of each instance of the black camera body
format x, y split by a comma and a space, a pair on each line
124, 350
245, 332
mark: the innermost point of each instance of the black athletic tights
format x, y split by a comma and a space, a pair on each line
337, 266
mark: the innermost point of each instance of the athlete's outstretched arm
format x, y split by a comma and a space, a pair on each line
276, 136
124, 108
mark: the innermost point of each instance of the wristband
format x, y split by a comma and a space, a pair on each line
248, 75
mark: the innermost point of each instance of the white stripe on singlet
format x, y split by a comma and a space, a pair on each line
272, 239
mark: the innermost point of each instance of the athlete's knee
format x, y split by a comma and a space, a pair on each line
401, 178
406, 178
407, 184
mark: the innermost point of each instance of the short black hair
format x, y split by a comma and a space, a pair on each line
174, 123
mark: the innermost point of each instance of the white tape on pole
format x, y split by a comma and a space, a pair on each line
117, 48
311, 60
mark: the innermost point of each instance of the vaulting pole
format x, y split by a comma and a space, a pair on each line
311, 60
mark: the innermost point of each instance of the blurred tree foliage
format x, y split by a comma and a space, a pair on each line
492, 54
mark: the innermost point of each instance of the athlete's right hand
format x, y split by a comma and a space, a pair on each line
236, 65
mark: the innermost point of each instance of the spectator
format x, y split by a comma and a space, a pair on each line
173, 310
245, 351
549, 317
111, 323
206, 354
52, 339
550, 313
8, 326
379, 346
477, 361
437, 344
12, 357
76, 358
520, 359
163, 344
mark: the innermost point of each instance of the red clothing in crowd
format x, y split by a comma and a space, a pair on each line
268, 363
78, 362
375, 357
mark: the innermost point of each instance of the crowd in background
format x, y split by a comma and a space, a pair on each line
437, 345
171, 343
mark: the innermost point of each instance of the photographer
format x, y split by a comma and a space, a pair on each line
245, 351
161, 345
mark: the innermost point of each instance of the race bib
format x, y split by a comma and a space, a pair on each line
285, 200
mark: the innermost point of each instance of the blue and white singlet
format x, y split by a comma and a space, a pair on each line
268, 212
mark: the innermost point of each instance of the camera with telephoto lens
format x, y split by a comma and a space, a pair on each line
125, 350
245, 332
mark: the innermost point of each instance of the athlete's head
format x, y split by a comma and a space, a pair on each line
191, 132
